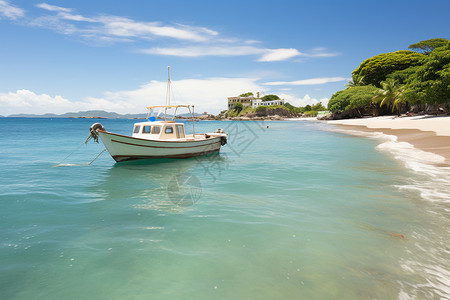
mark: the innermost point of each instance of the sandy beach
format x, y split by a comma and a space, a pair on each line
427, 133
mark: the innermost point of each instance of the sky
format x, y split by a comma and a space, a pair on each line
69, 56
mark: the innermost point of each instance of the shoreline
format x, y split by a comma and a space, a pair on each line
426, 133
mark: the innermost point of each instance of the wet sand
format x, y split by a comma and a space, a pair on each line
430, 134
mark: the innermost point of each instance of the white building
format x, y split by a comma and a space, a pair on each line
246, 101
259, 102
251, 101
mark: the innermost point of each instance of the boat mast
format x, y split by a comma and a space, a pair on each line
167, 92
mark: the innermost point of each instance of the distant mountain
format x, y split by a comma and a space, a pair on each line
188, 115
83, 114
93, 114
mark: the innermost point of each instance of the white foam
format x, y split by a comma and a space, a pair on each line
69, 165
434, 181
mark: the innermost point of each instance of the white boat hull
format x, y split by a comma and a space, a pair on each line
123, 148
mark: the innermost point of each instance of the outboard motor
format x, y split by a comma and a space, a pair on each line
93, 132
223, 138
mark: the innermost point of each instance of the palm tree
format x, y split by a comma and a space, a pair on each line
390, 94
355, 81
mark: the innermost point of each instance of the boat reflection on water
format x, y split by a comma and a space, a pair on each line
167, 185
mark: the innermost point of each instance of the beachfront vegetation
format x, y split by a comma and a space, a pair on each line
355, 99
306, 111
270, 98
240, 110
398, 82
427, 46
375, 69
390, 95
238, 107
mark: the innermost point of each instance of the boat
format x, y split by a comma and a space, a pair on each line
159, 138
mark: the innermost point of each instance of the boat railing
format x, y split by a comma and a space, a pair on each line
188, 106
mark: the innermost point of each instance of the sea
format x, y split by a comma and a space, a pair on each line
286, 210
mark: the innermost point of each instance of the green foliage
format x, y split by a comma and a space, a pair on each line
261, 108
390, 94
318, 107
270, 98
311, 113
395, 80
352, 98
291, 107
235, 113
355, 81
246, 94
427, 46
431, 81
402, 76
238, 107
375, 69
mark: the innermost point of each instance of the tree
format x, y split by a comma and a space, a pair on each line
270, 98
427, 46
402, 76
308, 107
375, 69
357, 98
431, 81
238, 107
261, 108
355, 82
246, 94
318, 107
292, 108
390, 94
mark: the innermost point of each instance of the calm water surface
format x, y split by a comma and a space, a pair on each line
292, 211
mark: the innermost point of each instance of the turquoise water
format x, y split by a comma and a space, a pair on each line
293, 211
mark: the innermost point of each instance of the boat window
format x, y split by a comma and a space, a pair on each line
169, 129
146, 129
136, 129
156, 129
180, 131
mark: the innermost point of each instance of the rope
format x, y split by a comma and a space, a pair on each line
71, 153
97, 156
88, 164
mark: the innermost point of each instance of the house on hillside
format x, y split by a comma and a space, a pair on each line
251, 102
259, 102
246, 101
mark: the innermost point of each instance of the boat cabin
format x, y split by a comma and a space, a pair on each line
160, 130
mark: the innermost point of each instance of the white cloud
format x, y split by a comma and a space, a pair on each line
279, 54
9, 11
311, 81
25, 101
305, 100
267, 55
124, 27
320, 52
53, 7
116, 26
206, 94
199, 51
197, 41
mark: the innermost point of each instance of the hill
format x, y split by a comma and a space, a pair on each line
92, 114
83, 114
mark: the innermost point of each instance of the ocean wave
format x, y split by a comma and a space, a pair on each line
432, 181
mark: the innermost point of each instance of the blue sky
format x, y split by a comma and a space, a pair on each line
60, 56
